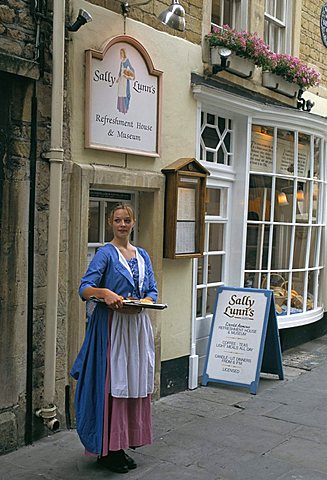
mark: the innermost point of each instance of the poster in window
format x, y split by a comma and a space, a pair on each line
262, 155
286, 155
261, 152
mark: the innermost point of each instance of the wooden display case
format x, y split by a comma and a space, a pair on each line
184, 208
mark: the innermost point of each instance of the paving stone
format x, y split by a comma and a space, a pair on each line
300, 452
199, 406
167, 418
234, 464
314, 434
301, 415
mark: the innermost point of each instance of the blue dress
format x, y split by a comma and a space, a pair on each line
106, 270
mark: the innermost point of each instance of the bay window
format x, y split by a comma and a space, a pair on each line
285, 217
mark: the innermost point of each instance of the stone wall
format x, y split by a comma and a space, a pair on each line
312, 50
25, 63
17, 29
148, 14
18, 38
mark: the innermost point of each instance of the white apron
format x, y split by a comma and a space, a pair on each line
131, 355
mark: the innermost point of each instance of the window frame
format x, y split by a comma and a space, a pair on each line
284, 26
243, 114
239, 23
111, 196
289, 271
205, 150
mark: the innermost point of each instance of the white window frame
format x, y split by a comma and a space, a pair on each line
283, 25
293, 319
103, 200
205, 318
239, 14
221, 136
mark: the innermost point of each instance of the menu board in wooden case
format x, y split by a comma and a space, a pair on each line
184, 208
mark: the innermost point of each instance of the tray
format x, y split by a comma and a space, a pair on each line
136, 303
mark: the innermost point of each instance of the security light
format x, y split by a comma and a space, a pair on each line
82, 18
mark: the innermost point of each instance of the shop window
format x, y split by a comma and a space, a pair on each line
229, 12
284, 226
216, 139
278, 24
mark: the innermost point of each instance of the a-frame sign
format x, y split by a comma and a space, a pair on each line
244, 338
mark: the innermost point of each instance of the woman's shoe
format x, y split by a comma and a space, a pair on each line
115, 462
130, 462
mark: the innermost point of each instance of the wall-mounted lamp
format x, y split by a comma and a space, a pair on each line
173, 16
224, 54
300, 195
302, 104
83, 17
282, 199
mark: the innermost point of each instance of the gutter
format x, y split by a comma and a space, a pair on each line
55, 155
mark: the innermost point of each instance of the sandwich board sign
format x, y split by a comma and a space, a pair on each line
244, 338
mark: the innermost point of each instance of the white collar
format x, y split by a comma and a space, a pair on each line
140, 262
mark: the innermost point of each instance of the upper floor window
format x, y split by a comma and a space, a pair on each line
278, 22
229, 12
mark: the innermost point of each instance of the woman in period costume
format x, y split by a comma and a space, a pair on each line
125, 75
115, 366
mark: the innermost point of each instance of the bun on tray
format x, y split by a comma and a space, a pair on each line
146, 300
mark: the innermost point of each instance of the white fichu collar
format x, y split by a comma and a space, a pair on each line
140, 262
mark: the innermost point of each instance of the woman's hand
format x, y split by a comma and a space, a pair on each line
113, 300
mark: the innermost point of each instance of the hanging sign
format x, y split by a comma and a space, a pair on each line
244, 338
123, 92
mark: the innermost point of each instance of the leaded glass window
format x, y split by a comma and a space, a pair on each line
216, 139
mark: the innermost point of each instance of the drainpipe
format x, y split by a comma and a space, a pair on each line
193, 368
55, 156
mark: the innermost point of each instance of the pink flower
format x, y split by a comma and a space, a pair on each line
250, 45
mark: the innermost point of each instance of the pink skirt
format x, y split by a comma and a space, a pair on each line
127, 421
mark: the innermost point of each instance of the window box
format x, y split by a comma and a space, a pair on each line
279, 84
242, 67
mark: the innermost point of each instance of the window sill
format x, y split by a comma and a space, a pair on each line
299, 319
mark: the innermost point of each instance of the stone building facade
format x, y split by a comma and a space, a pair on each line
26, 122
25, 79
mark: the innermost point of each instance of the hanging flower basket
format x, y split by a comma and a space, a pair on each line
279, 84
243, 67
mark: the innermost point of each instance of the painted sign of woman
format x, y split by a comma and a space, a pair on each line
125, 75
